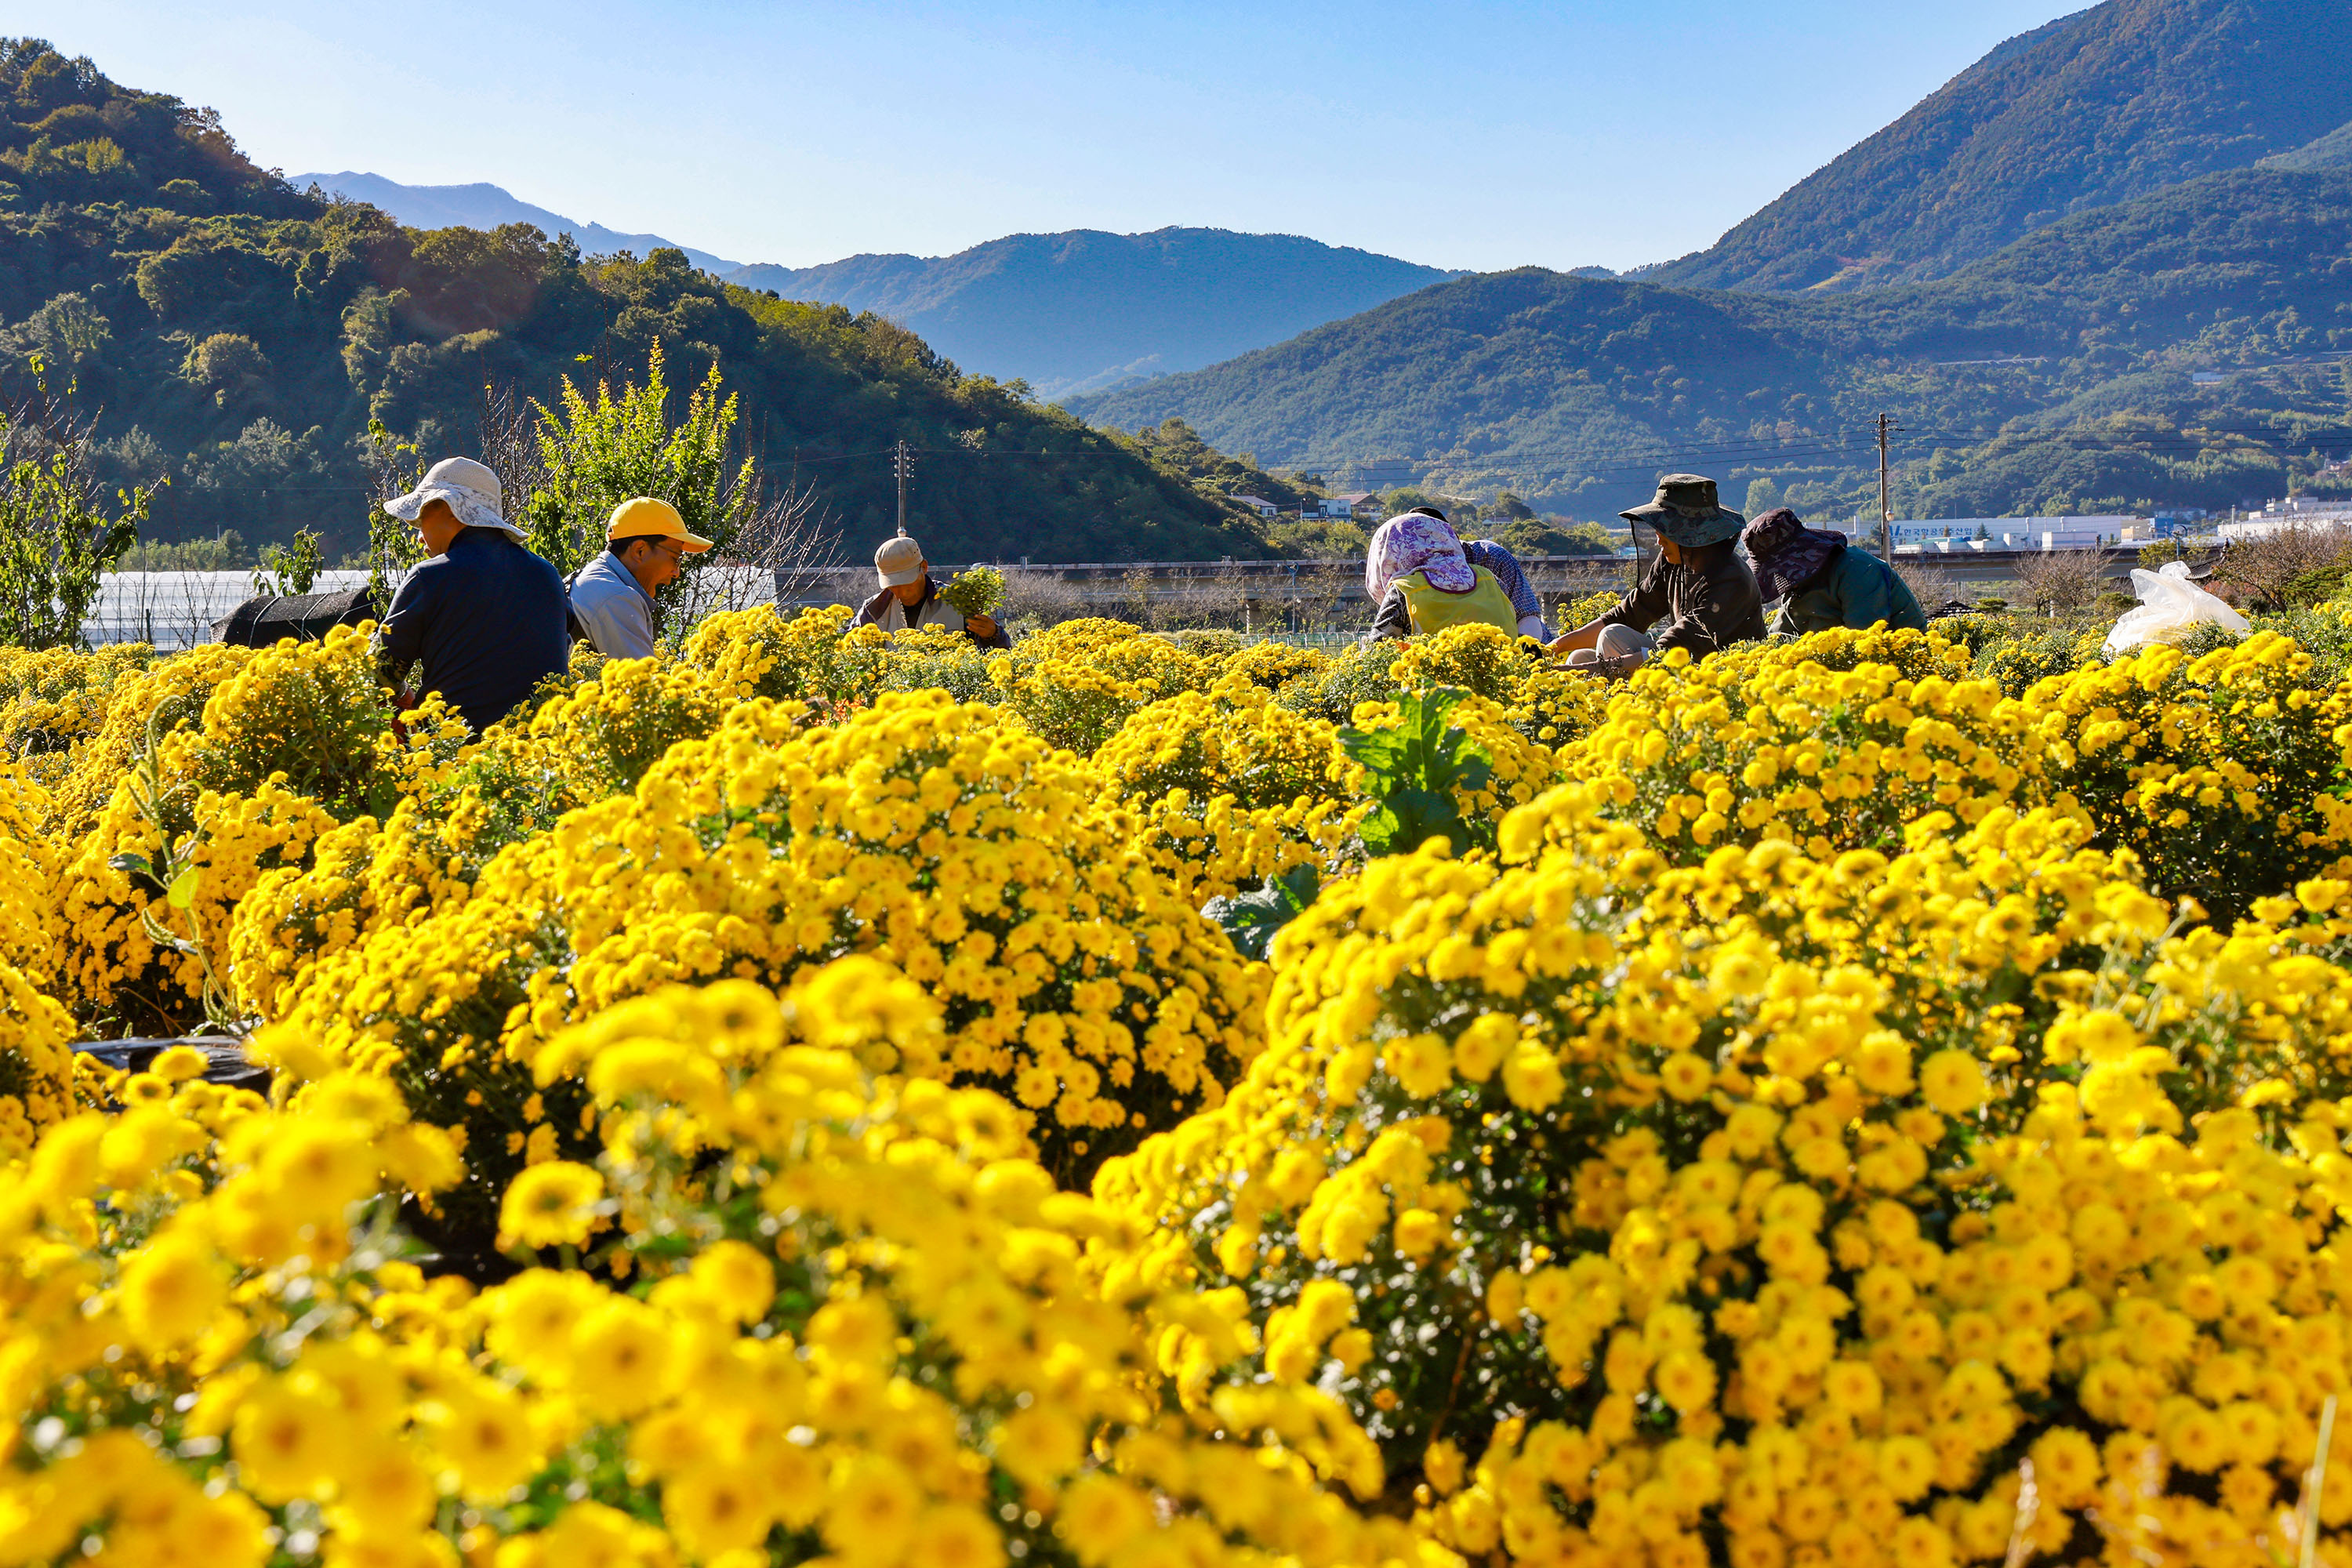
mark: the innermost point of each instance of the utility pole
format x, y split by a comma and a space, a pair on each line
903, 464
1887, 427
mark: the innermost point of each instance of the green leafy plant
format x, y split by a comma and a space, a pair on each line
58, 538
976, 591
1252, 920
1413, 771
173, 875
291, 569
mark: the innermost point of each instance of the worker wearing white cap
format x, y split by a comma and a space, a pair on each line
911, 599
486, 617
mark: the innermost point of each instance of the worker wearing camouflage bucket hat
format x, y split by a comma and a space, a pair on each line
1696, 593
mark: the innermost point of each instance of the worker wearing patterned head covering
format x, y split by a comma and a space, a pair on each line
1497, 557
1822, 582
1416, 573
1697, 593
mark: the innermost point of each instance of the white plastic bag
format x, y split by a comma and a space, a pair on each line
2171, 608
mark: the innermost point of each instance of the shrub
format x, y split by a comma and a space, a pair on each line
53, 700
953, 843
870, 1336
1077, 682
1777, 1201
1770, 741
934, 659
2222, 773
812, 656
1227, 790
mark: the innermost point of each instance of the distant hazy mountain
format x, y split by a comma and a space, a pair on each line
1557, 387
1085, 309
487, 206
2096, 108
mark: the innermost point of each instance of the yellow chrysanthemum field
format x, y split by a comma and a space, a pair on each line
1135, 1102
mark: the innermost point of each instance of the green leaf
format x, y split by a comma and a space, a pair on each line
1414, 771
184, 889
1252, 920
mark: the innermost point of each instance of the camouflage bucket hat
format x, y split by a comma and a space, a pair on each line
1686, 512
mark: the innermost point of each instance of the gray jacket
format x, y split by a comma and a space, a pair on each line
616, 611
884, 610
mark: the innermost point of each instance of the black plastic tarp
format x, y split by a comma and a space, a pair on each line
261, 621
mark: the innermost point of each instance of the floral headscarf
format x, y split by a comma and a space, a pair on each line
1787, 553
1416, 542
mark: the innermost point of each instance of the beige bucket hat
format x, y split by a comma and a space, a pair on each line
469, 488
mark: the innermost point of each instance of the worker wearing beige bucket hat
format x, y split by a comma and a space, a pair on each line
1696, 590
486, 618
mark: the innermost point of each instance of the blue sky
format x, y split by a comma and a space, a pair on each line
1466, 134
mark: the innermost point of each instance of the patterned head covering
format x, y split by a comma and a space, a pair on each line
1416, 542
1787, 553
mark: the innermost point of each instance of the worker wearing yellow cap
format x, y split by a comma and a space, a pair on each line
614, 594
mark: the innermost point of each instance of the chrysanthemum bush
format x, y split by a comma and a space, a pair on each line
1775, 1206
285, 742
1228, 787
53, 698
2226, 773
833, 1317
1077, 682
947, 838
2221, 774
1852, 1092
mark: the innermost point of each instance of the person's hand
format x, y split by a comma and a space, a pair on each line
980, 626
1560, 643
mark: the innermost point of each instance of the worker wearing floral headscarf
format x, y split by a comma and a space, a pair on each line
1822, 582
1416, 573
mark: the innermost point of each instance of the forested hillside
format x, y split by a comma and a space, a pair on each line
2333, 150
1077, 312
236, 337
2097, 108
2057, 374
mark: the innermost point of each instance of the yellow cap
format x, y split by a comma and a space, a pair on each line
643, 517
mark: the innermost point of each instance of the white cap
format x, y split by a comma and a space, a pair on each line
469, 488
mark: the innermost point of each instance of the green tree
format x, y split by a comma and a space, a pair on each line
1763, 495
56, 539
598, 454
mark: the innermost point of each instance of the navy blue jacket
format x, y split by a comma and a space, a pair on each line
490, 620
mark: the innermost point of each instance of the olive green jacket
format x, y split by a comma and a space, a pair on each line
1855, 589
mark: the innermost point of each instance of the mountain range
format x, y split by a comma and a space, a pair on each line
486, 207
2107, 267
1070, 312
2083, 341
1081, 311
2096, 108
183, 318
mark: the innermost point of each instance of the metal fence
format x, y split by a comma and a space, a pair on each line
1316, 604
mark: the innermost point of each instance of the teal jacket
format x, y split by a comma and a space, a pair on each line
1855, 589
